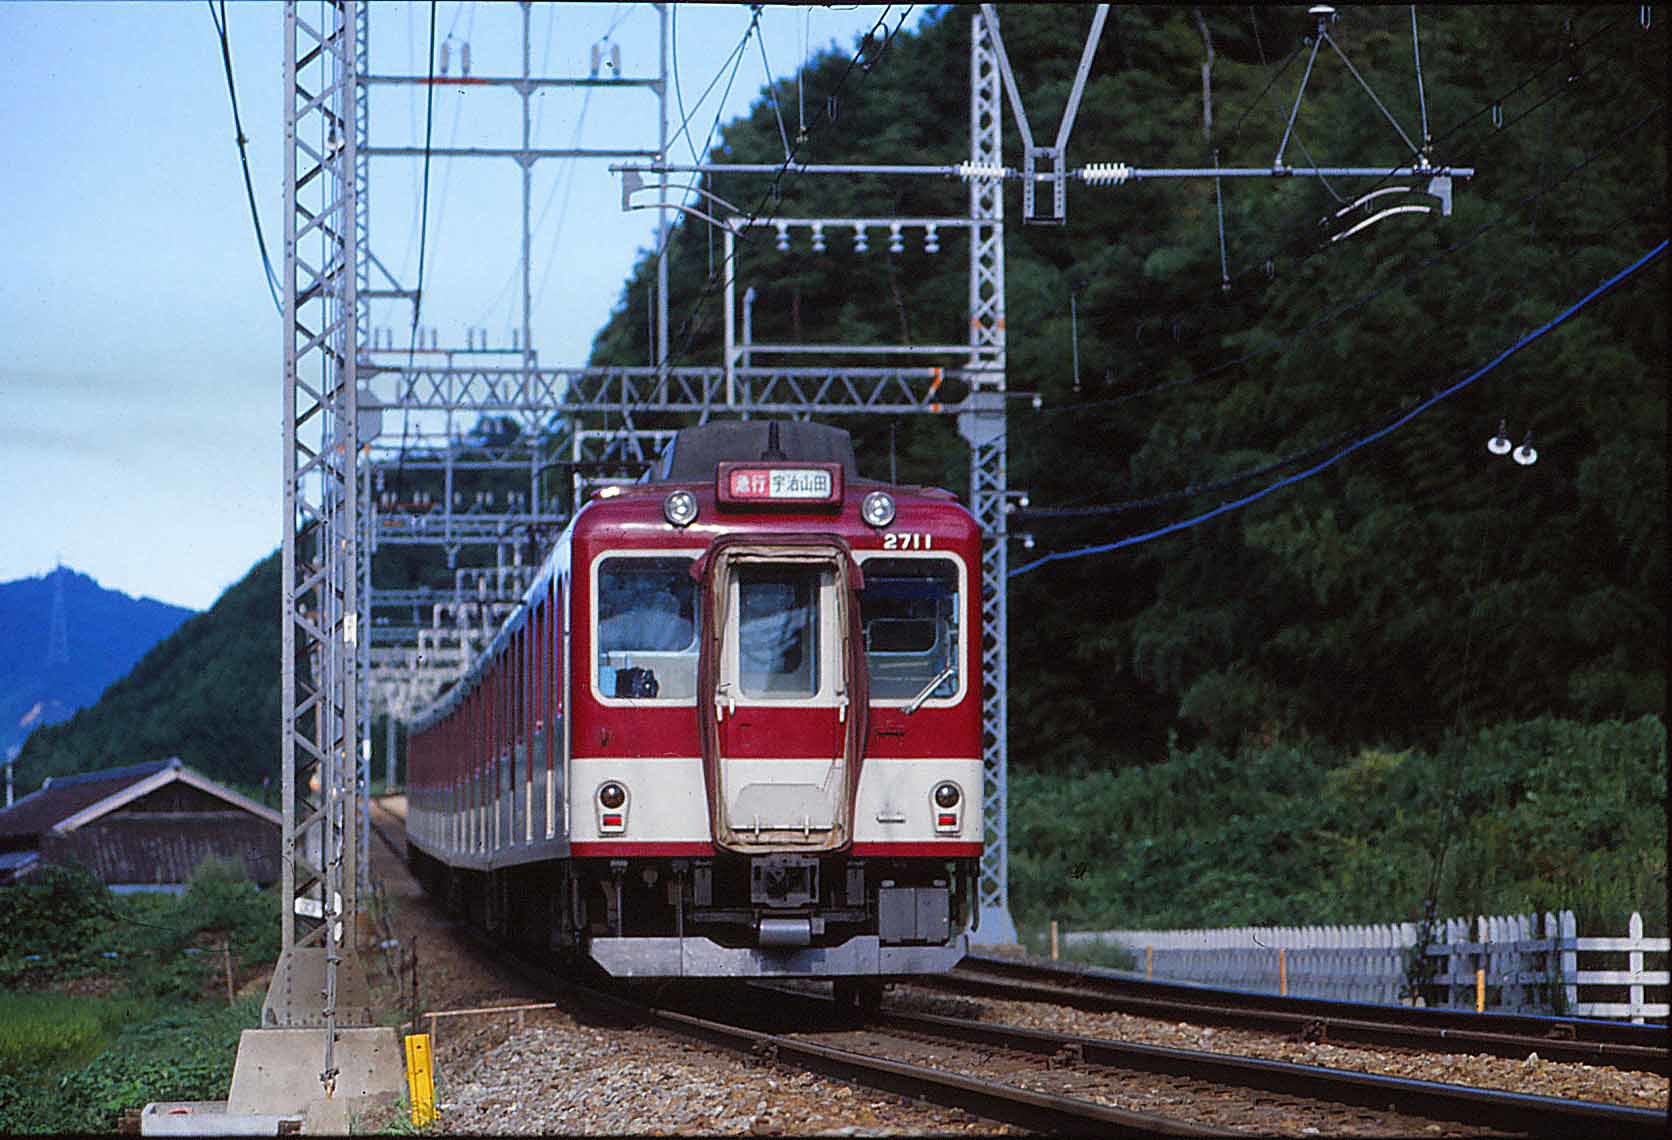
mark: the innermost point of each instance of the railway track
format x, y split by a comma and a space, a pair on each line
1635, 1047
1083, 1086
1069, 1085
1219, 1092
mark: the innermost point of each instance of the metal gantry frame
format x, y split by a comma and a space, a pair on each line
460, 382
333, 368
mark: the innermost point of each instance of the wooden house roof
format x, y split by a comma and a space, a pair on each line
66, 803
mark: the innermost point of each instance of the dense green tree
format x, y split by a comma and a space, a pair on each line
1417, 586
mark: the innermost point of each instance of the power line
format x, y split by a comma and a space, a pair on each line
243, 152
424, 209
773, 192
736, 54
1361, 301
1237, 504
1189, 492
1303, 244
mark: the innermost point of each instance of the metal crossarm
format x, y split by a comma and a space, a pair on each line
686, 390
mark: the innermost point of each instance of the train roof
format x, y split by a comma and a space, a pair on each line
696, 452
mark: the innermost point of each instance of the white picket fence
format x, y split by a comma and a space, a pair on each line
1500, 962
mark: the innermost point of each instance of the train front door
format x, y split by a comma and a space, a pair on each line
783, 687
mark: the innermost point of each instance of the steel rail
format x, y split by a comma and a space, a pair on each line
1007, 1103
1521, 1113
1634, 1047
992, 1099
1010, 1104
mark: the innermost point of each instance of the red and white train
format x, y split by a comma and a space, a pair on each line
734, 729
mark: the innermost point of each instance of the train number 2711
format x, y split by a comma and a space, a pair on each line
908, 540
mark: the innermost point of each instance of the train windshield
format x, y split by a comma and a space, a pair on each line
778, 630
647, 628
909, 612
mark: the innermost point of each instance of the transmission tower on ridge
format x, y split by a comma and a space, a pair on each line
58, 628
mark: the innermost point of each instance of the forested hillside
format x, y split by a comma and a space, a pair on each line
1419, 586
208, 693
1462, 652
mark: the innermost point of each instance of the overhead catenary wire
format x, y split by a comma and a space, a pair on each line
424, 208
1194, 490
243, 153
1304, 243
733, 60
1359, 302
773, 193
1237, 504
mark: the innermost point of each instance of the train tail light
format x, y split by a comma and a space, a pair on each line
612, 808
948, 807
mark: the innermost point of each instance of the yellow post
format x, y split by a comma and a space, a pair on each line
1282, 972
1480, 991
1149, 962
1053, 940
420, 1079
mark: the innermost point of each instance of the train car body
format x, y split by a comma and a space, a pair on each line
734, 729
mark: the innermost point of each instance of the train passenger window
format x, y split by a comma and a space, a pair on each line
909, 613
778, 630
647, 628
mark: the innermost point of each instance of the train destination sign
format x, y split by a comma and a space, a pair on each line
771, 483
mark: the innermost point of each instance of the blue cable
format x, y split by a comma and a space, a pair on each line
1185, 524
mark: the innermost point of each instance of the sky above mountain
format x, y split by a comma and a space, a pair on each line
140, 395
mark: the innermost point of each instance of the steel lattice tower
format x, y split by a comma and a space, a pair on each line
983, 426
317, 982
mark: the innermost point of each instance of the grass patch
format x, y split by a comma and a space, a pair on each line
181, 1055
46, 1033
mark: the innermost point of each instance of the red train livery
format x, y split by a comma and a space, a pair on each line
734, 728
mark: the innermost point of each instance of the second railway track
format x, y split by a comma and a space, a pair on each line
1635, 1047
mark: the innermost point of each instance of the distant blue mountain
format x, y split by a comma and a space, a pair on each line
63, 639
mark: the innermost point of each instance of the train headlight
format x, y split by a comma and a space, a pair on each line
877, 508
948, 807
680, 508
612, 808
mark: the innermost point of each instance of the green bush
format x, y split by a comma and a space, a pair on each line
52, 924
1532, 816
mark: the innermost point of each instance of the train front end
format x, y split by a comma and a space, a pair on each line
774, 743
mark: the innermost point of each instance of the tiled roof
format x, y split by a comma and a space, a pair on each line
166, 847
64, 796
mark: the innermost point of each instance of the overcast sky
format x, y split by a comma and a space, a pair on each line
140, 428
